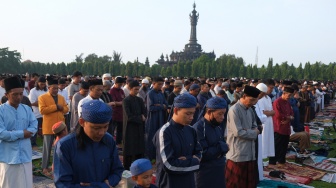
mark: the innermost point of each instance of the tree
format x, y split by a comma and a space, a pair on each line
116, 57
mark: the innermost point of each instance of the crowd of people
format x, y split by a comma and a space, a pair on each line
193, 132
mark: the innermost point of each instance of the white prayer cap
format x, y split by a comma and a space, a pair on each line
262, 87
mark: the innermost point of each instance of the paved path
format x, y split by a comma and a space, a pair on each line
42, 182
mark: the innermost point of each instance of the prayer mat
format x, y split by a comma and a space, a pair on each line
289, 177
275, 184
330, 178
303, 171
324, 165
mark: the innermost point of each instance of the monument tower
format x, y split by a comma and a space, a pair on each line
192, 50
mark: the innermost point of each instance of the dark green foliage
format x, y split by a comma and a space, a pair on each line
227, 65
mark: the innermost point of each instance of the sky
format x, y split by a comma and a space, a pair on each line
296, 31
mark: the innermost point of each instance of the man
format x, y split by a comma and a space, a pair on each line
281, 121
31, 83
134, 114
194, 91
2, 87
156, 111
74, 86
117, 116
126, 88
203, 95
238, 92
17, 126
265, 112
35, 92
52, 106
175, 93
95, 91
83, 92
108, 77
218, 86
304, 105
62, 91
210, 136
89, 157
186, 87
241, 166
178, 153
144, 89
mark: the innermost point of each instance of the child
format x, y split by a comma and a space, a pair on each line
142, 172
60, 130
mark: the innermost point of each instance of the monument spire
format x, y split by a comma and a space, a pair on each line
193, 22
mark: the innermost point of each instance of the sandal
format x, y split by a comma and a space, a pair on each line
47, 174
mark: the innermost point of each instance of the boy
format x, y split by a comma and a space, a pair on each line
59, 129
142, 172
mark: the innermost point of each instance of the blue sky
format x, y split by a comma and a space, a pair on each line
56, 31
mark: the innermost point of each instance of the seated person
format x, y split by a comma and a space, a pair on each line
303, 138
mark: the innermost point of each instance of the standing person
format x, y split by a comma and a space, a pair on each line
156, 111
265, 112
175, 93
281, 121
2, 87
88, 157
218, 86
241, 166
117, 116
210, 135
62, 91
31, 83
52, 106
17, 126
144, 89
39, 89
95, 91
194, 91
107, 98
178, 153
126, 87
74, 86
203, 95
186, 87
134, 115
83, 92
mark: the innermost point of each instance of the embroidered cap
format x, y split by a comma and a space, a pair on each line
95, 111
216, 103
185, 100
140, 166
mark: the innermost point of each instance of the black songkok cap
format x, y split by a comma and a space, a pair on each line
61, 81
288, 90
119, 80
84, 85
12, 82
95, 82
251, 91
52, 82
77, 73
240, 84
286, 82
133, 83
42, 79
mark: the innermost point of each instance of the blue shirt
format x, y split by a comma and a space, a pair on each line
14, 148
93, 164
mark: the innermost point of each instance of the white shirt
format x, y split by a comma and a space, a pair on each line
217, 89
2, 92
84, 100
64, 93
33, 97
